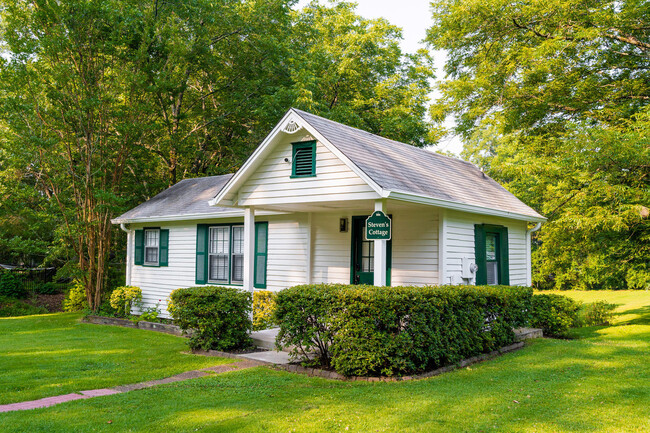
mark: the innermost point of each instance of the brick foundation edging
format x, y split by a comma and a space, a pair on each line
316, 372
126, 323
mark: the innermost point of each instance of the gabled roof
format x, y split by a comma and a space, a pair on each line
397, 170
187, 199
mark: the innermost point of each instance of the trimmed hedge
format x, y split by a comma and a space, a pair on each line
217, 318
369, 331
555, 314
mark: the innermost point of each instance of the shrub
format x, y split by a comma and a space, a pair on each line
124, 298
599, 313
11, 286
365, 330
554, 314
263, 309
10, 307
75, 299
304, 314
218, 317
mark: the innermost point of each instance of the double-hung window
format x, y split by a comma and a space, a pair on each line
220, 254
151, 247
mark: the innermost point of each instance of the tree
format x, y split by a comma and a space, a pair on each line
72, 118
552, 100
352, 70
104, 104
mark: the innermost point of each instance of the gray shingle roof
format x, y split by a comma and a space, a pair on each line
400, 167
187, 197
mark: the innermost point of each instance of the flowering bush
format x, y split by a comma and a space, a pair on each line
263, 309
75, 299
124, 298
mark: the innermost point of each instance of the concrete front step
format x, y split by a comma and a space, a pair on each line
266, 339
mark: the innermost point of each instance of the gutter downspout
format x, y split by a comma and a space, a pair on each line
129, 255
529, 267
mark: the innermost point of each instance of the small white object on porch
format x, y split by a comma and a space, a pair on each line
380, 251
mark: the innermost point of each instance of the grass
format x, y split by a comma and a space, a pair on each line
55, 354
597, 383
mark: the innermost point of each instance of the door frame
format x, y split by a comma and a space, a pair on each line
353, 237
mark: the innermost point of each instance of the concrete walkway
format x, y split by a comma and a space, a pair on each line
51, 401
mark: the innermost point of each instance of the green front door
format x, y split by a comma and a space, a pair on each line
363, 255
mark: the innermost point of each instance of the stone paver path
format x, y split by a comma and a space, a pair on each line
51, 401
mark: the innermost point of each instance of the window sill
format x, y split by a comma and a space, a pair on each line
305, 176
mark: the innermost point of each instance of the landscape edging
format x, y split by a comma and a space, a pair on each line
326, 374
142, 324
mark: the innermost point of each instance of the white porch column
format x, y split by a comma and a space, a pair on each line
308, 251
249, 249
380, 251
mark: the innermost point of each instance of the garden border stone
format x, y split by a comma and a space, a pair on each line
142, 324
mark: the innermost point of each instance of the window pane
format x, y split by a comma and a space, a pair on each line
492, 273
151, 255
151, 238
491, 246
219, 240
238, 268
218, 268
238, 240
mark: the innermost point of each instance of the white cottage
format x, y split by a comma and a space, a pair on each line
295, 213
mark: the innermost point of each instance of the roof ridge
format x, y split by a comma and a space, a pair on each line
410, 146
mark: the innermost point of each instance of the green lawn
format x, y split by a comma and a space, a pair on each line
42, 356
598, 383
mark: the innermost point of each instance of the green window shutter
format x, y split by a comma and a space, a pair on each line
504, 271
303, 162
138, 253
201, 253
479, 254
163, 256
261, 249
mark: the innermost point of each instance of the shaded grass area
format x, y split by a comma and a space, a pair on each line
43, 356
598, 383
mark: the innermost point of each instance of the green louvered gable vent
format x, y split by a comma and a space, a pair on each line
304, 159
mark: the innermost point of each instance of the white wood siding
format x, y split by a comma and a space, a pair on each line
459, 243
330, 249
415, 248
287, 244
272, 183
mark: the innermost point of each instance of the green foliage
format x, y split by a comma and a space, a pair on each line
150, 314
11, 307
124, 298
104, 104
263, 309
552, 99
75, 299
11, 286
351, 70
215, 317
554, 314
598, 313
365, 330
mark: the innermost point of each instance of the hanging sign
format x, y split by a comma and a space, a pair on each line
378, 227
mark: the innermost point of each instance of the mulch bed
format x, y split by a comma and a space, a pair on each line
53, 303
